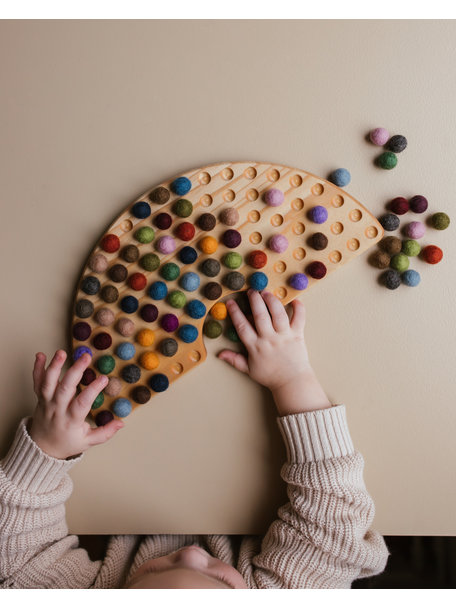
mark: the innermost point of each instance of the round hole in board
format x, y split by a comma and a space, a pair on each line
353, 244
227, 174
280, 292
252, 194
296, 181
273, 175
277, 220
355, 215
299, 253
317, 189
280, 266
298, 228
206, 200
229, 196
250, 173
297, 204
254, 216
335, 257
126, 225
194, 355
204, 178
371, 232
177, 368
337, 201
337, 228
255, 238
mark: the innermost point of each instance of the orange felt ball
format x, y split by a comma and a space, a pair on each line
432, 254
218, 311
185, 231
258, 259
208, 244
145, 337
149, 360
137, 281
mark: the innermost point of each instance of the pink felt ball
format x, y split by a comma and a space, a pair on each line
278, 243
274, 197
166, 244
415, 230
379, 136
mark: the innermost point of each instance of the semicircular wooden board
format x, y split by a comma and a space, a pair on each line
144, 301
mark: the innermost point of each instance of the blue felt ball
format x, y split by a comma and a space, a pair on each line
318, 214
411, 278
196, 309
129, 304
187, 333
340, 177
258, 281
158, 290
125, 351
187, 255
159, 383
181, 185
189, 281
121, 407
141, 210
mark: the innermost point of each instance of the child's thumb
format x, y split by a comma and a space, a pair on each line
237, 360
103, 433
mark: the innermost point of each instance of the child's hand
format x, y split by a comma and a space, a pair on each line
58, 426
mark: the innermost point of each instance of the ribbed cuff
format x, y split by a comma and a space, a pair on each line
317, 435
29, 468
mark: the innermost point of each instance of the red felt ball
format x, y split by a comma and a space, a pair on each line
88, 376
110, 243
316, 270
257, 259
185, 231
137, 281
102, 341
163, 221
399, 205
432, 254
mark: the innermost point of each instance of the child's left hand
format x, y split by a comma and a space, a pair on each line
58, 426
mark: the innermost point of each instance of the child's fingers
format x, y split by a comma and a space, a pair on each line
103, 433
80, 406
52, 374
279, 315
260, 312
298, 319
237, 360
67, 386
38, 372
244, 330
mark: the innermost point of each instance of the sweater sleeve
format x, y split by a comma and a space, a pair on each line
322, 537
35, 548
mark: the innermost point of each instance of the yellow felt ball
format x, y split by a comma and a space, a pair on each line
145, 337
149, 360
218, 311
208, 244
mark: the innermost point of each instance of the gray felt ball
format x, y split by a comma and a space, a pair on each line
397, 143
131, 373
234, 280
389, 221
391, 279
210, 267
168, 347
84, 309
90, 285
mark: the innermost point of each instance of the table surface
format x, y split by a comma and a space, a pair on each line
93, 113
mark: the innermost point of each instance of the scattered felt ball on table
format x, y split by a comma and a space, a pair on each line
210, 267
84, 308
187, 255
158, 383
397, 143
418, 203
318, 214
177, 298
229, 216
212, 290
219, 311
163, 221
258, 280
234, 280
125, 327
208, 244
181, 186
386, 160
256, 259
149, 312
299, 281
183, 207
391, 245
212, 328
381, 259
187, 333
411, 278
141, 394
273, 197
207, 221
110, 243
160, 195
190, 281
98, 262
340, 177
158, 290
168, 347
440, 220
109, 294
389, 221
278, 243
432, 254
196, 309
145, 234
391, 279
411, 248
122, 407
399, 205
318, 241
130, 253
379, 136
232, 334
169, 322
232, 260
150, 262
141, 210
125, 351
317, 270
415, 230
105, 364
103, 417
170, 271
231, 238
400, 262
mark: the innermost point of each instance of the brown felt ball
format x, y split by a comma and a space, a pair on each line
160, 195
212, 290
391, 245
141, 394
118, 273
207, 221
130, 253
318, 241
316, 270
230, 216
380, 259
109, 294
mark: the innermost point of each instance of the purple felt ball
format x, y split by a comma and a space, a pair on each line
318, 214
278, 243
274, 197
80, 350
379, 136
166, 244
299, 281
415, 230
231, 238
418, 203
103, 418
169, 322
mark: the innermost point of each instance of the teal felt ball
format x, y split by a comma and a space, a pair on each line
258, 281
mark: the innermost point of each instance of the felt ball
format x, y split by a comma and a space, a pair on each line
81, 331
187, 255
118, 273
415, 230
166, 244
103, 417
340, 177
137, 281
278, 243
149, 360
318, 214
113, 388
379, 136
196, 309
90, 285
432, 254
150, 262
141, 210
160, 195
169, 322
102, 341
299, 281
177, 298
181, 186
145, 337
391, 279
158, 383
411, 278
207, 221
129, 304
397, 143
210, 267
170, 271
208, 244
219, 311
229, 216
163, 221
109, 294
212, 290
183, 207
389, 221
391, 245
234, 280
84, 308
131, 373
141, 394
232, 334
185, 231
110, 243
256, 259
98, 262
125, 327
187, 333
231, 238
88, 376
399, 205
145, 234
122, 407
440, 220
411, 248
158, 290
316, 270
106, 364
125, 351
149, 312
418, 203
130, 253
274, 197
380, 259
232, 259
98, 402
168, 347
387, 160
212, 329
189, 281
318, 241
400, 262
258, 281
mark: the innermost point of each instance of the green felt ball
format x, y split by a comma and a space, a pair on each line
232, 334
146, 234
150, 261
183, 207
177, 298
387, 160
98, 401
232, 259
212, 329
399, 262
170, 271
440, 220
411, 247
106, 364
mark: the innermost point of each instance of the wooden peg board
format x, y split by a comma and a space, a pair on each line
350, 229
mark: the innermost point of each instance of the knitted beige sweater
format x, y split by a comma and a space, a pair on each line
321, 538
